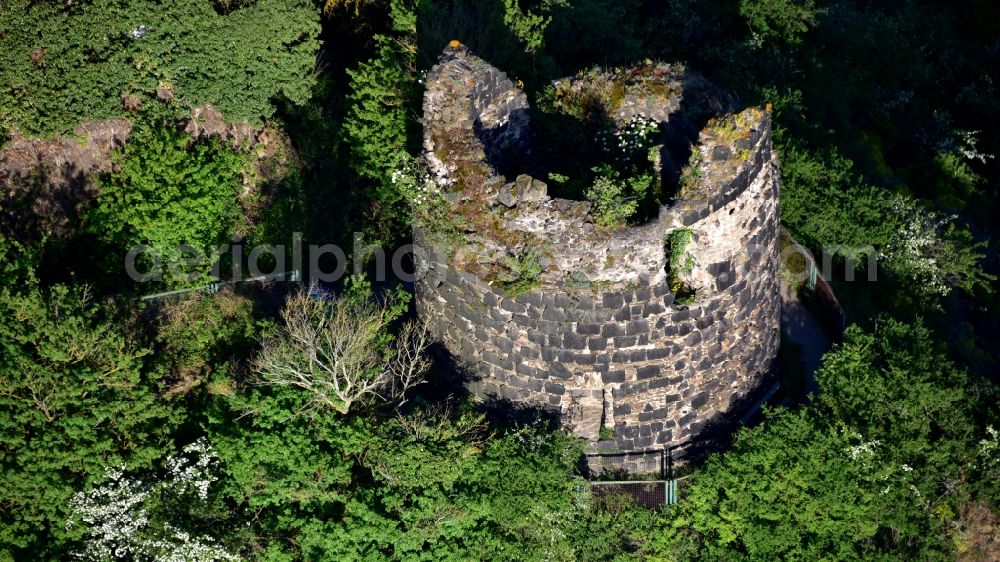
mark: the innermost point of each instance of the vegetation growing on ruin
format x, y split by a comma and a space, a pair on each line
519, 273
733, 127
680, 263
575, 130
691, 174
615, 200
886, 126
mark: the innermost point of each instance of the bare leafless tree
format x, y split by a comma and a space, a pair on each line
338, 351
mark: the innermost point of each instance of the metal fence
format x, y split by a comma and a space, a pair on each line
651, 464
212, 288
644, 477
646, 493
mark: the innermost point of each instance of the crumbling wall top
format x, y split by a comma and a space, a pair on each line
477, 132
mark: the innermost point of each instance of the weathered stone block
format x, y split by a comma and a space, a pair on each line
657, 353
553, 314
612, 330
658, 382
560, 371
554, 388
625, 341
574, 341
636, 327
693, 339
652, 308
614, 300
513, 306
648, 372
597, 344
624, 314
613, 376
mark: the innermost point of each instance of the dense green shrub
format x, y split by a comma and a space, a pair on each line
897, 385
201, 335
529, 25
427, 484
613, 29
74, 398
876, 469
788, 490
17, 263
779, 20
611, 205
830, 208
168, 190
500, 32
614, 199
375, 128
63, 63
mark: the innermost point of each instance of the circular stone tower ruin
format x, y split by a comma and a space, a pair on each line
658, 332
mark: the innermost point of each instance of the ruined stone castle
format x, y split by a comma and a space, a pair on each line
605, 326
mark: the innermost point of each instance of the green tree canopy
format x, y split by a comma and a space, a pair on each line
74, 398
875, 468
65, 62
168, 190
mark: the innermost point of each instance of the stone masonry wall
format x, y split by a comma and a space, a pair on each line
602, 340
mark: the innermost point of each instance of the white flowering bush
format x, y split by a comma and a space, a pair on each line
930, 252
989, 450
430, 209
193, 471
120, 519
967, 146
631, 140
113, 514
863, 450
912, 248
414, 181
885, 476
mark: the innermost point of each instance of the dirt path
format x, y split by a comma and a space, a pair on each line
43, 182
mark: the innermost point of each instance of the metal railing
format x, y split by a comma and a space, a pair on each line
212, 288
651, 494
